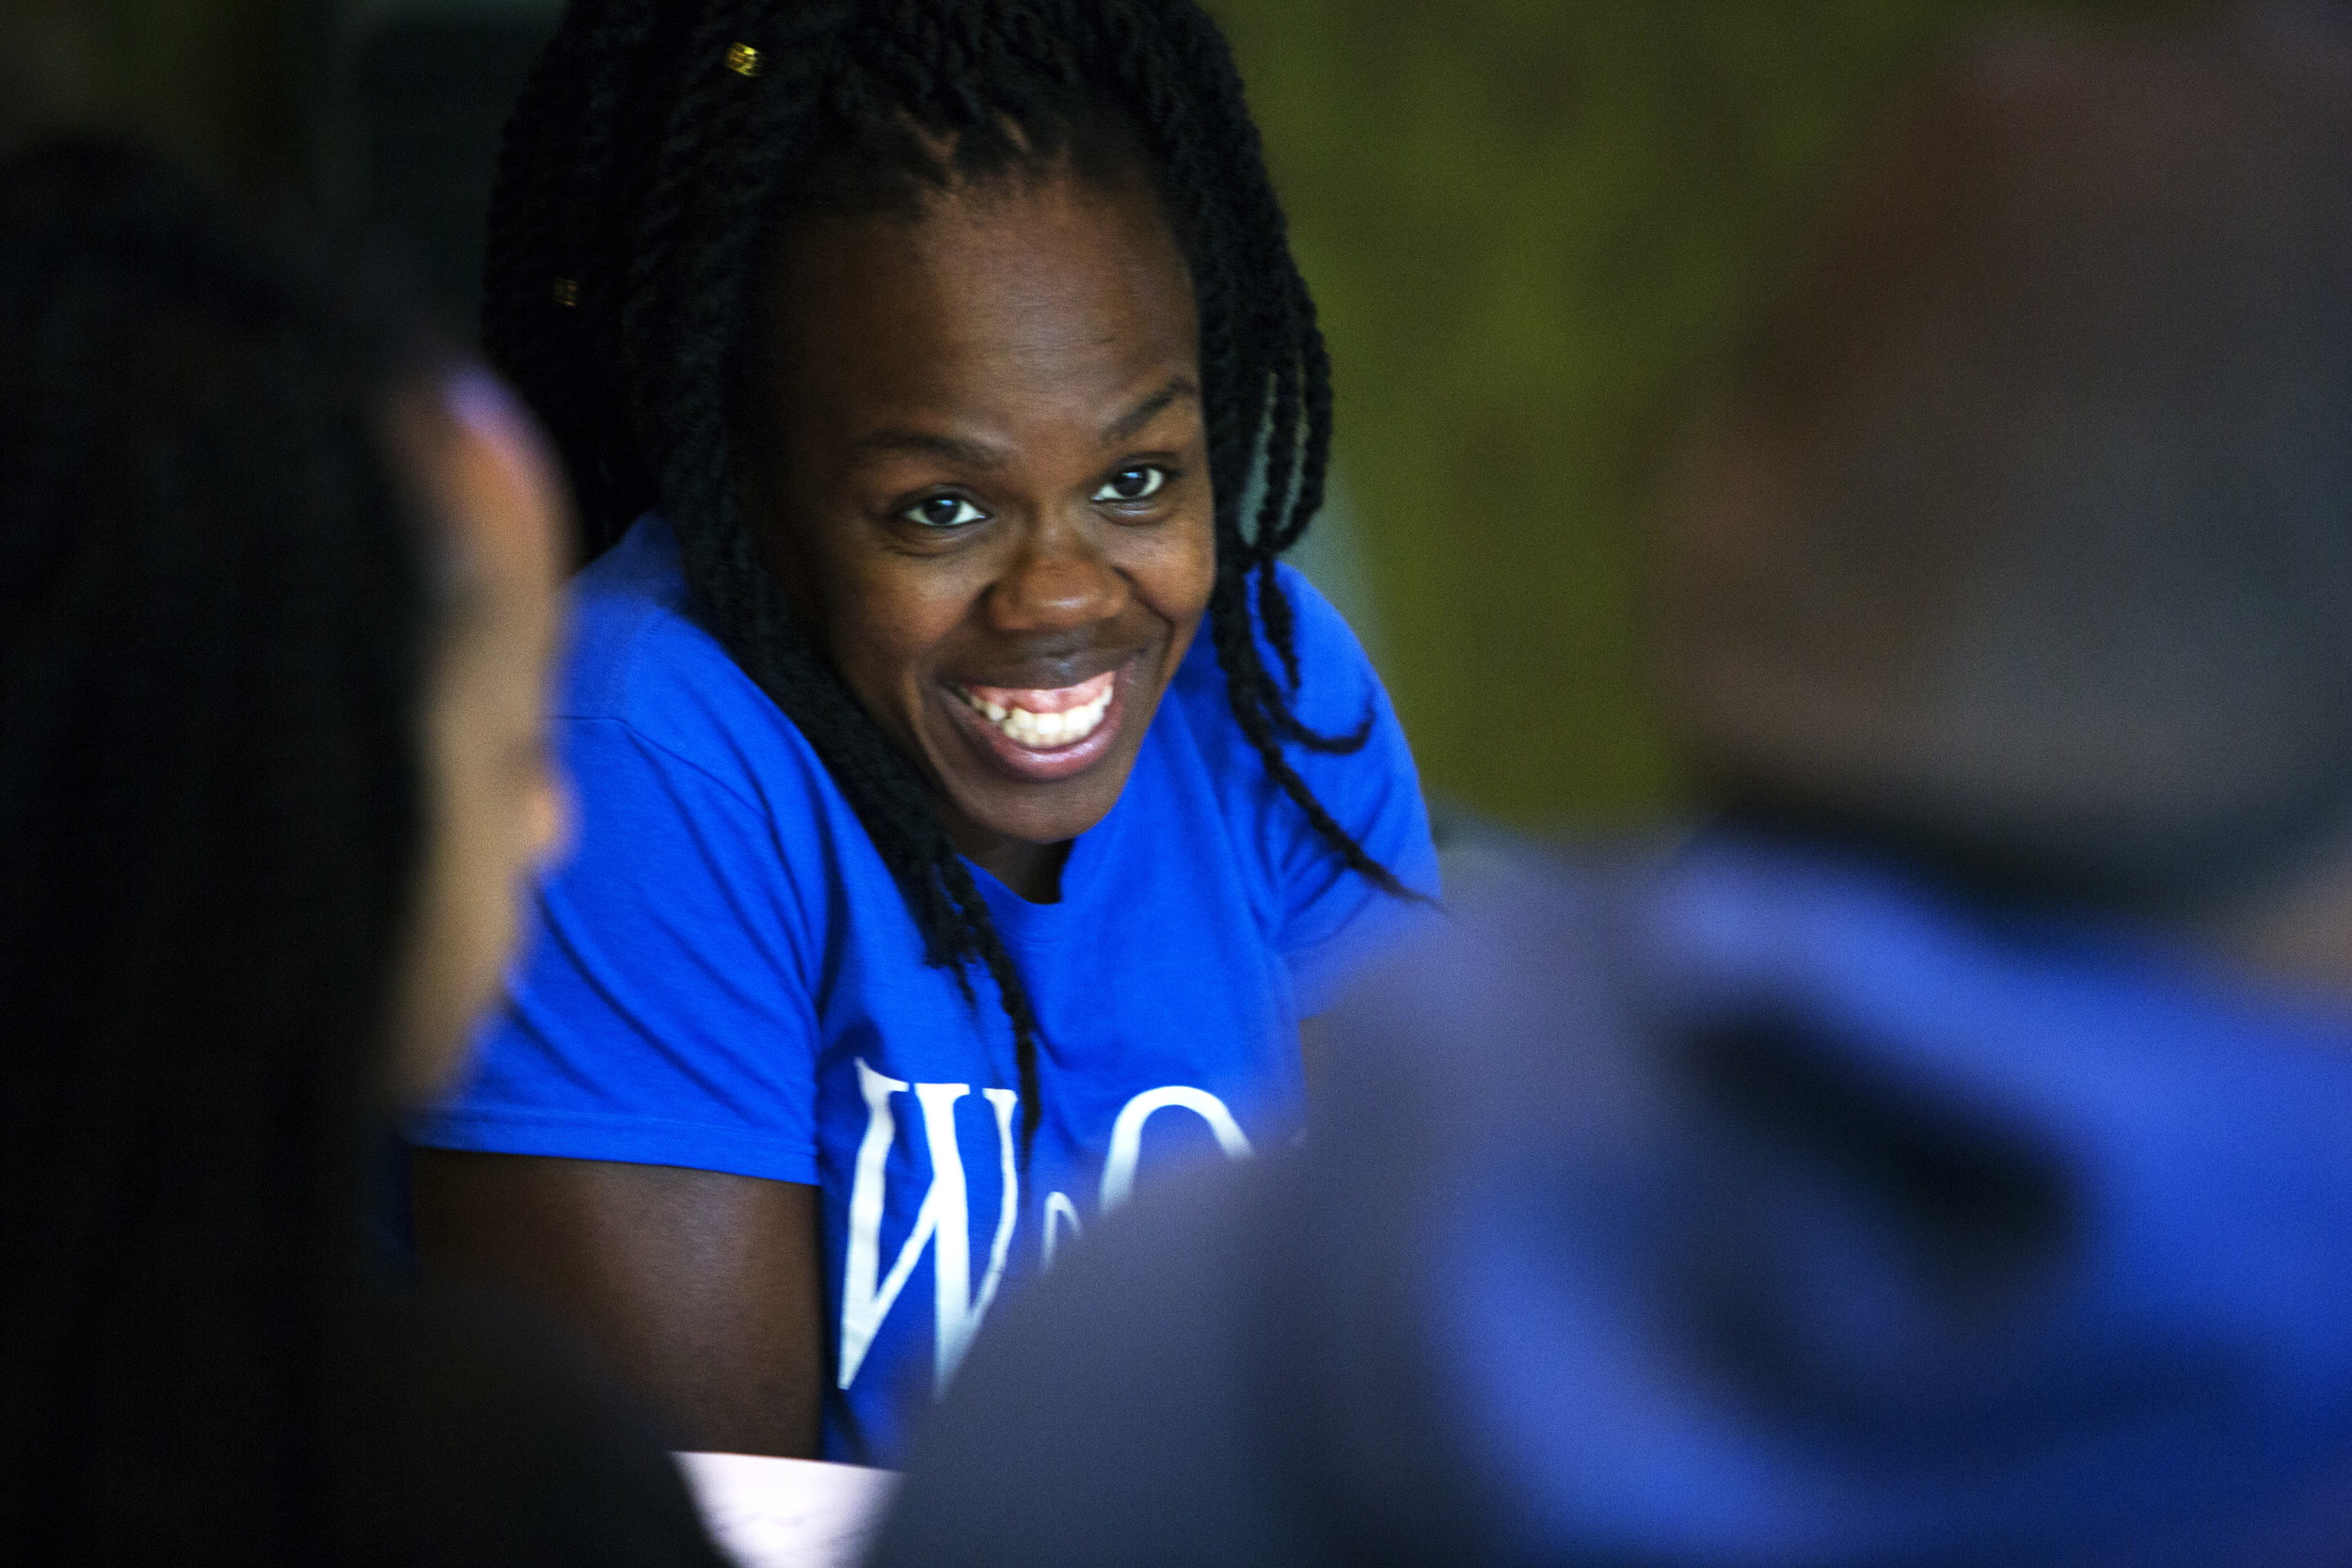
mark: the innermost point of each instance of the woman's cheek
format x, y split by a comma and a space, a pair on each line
1183, 568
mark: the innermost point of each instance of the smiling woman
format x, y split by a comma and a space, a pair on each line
971, 808
994, 493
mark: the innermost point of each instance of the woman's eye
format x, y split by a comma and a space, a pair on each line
944, 512
1132, 485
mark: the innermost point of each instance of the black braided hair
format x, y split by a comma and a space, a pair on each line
217, 607
655, 155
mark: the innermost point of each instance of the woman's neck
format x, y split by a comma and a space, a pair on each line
1031, 870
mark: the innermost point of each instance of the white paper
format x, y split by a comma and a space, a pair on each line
788, 1513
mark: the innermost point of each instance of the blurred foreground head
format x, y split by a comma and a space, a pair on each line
1768, 1203
276, 603
2026, 541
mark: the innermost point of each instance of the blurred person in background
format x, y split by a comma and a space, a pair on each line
1946, 1156
974, 807
277, 610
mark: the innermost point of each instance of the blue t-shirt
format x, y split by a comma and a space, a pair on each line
725, 976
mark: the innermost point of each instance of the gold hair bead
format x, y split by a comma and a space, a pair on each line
566, 291
743, 60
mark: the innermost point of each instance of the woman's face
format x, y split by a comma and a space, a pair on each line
496, 806
990, 488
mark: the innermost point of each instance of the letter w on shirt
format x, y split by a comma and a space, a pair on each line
942, 1222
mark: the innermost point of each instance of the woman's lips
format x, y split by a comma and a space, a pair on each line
1048, 733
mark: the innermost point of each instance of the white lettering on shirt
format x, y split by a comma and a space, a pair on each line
1059, 1209
942, 1222
1118, 1168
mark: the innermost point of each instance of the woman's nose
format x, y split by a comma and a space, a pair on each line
1058, 581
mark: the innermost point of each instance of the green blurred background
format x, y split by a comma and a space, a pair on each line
1532, 228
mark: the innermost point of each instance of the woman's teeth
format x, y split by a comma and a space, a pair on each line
1042, 732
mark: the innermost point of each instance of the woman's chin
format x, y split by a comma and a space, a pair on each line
1042, 795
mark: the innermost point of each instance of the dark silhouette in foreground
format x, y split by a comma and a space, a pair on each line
277, 598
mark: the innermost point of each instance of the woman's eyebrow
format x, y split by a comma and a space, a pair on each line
1148, 409
955, 448
979, 455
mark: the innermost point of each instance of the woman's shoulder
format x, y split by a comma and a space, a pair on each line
1324, 915
1337, 693
1336, 679
635, 639
645, 674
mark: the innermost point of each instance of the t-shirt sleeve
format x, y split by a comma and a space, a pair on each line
662, 1014
1335, 920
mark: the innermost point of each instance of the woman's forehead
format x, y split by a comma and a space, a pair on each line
1047, 279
